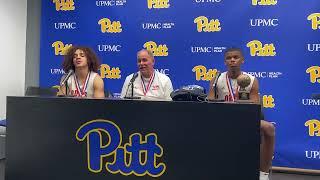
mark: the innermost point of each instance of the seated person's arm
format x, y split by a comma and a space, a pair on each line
125, 88
98, 87
254, 93
211, 94
168, 90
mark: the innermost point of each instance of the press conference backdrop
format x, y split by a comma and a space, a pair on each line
280, 40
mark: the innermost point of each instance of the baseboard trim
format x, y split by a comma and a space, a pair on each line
313, 172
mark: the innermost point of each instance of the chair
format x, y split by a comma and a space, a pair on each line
3, 122
108, 94
41, 91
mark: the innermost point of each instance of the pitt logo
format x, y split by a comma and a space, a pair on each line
64, 5
60, 48
268, 101
157, 50
158, 4
109, 73
315, 20
314, 127
138, 157
256, 49
264, 2
203, 74
110, 27
314, 74
203, 24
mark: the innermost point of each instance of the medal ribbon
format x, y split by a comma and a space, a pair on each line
82, 92
146, 89
230, 89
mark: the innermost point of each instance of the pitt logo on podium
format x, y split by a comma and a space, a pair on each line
203, 74
314, 74
110, 27
315, 20
203, 24
264, 2
139, 156
257, 49
109, 73
268, 101
64, 5
157, 50
158, 4
60, 48
314, 127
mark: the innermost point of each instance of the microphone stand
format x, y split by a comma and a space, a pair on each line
131, 84
67, 87
131, 97
132, 90
66, 84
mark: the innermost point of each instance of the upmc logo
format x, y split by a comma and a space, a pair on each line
207, 49
57, 71
163, 71
313, 154
157, 25
64, 5
315, 20
264, 22
258, 49
311, 102
264, 2
110, 27
314, 72
203, 24
109, 48
110, 3
157, 50
158, 4
263, 75
207, 1
65, 25
313, 47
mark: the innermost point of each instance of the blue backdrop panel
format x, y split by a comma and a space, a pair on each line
280, 40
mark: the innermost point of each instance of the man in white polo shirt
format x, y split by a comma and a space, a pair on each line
148, 84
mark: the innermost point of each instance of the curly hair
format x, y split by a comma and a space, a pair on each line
92, 58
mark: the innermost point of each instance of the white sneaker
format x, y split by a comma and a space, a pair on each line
264, 176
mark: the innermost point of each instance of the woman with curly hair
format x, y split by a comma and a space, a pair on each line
84, 80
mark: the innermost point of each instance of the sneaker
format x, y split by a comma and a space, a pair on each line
264, 176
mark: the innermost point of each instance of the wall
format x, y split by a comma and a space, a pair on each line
13, 37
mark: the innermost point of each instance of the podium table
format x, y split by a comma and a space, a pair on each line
99, 139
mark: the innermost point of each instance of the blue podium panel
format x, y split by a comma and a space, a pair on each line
64, 138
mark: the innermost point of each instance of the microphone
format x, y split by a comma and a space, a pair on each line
215, 83
66, 77
134, 77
